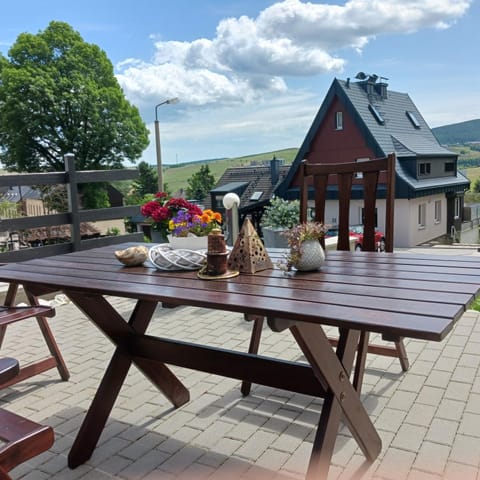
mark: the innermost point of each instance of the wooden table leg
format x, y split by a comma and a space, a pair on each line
333, 372
118, 331
258, 321
361, 361
99, 411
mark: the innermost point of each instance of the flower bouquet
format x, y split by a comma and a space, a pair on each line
190, 230
177, 218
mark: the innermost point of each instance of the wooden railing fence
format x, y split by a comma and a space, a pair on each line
71, 178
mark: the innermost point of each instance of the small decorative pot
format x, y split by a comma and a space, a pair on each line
312, 257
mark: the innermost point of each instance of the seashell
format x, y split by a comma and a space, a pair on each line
132, 256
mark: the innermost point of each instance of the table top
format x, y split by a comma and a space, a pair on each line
400, 294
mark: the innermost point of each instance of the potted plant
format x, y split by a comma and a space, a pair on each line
175, 217
190, 230
306, 253
279, 216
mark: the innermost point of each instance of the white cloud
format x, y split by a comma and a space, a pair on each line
331, 27
249, 58
235, 130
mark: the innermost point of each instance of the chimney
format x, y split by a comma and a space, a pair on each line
275, 169
369, 87
381, 89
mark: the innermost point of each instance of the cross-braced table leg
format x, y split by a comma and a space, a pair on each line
118, 331
333, 372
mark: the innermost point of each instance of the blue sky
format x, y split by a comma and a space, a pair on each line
251, 74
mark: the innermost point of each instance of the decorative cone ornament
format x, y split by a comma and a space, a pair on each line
249, 254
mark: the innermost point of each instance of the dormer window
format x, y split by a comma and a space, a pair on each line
424, 169
449, 166
339, 121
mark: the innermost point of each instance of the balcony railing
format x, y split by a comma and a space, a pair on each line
74, 217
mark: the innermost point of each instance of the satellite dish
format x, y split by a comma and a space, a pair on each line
361, 76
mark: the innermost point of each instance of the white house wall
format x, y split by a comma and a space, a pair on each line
402, 222
407, 231
431, 229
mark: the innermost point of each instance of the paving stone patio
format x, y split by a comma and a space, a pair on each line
428, 418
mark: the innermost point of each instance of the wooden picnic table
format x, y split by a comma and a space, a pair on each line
394, 294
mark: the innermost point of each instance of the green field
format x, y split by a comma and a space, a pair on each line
176, 177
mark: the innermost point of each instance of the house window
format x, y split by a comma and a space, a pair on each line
424, 168
438, 211
339, 120
449, 166
422, 210
457, 208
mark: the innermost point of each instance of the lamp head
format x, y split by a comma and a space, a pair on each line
231, 199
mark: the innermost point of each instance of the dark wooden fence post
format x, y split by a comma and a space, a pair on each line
73, 202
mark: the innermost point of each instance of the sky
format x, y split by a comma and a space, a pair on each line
250, 75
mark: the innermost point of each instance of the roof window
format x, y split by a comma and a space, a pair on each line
412, 117
256, 196
376, 114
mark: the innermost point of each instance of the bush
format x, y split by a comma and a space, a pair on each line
281, 214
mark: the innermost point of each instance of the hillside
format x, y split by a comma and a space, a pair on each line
176, 176
463, 132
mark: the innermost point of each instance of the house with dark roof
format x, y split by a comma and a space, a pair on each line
255, 186
360, 120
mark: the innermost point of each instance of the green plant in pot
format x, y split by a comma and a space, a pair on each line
280, 215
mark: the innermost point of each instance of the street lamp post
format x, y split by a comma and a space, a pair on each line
157, 142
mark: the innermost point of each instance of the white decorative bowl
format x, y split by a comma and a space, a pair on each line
166, 258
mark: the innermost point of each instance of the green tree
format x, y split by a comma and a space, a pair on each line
147, 181
200, 183
144, 187
95, 195
54, 198
58, 95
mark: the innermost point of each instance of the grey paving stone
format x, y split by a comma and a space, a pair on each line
432, 457
409, 437
396, 464
466, 451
